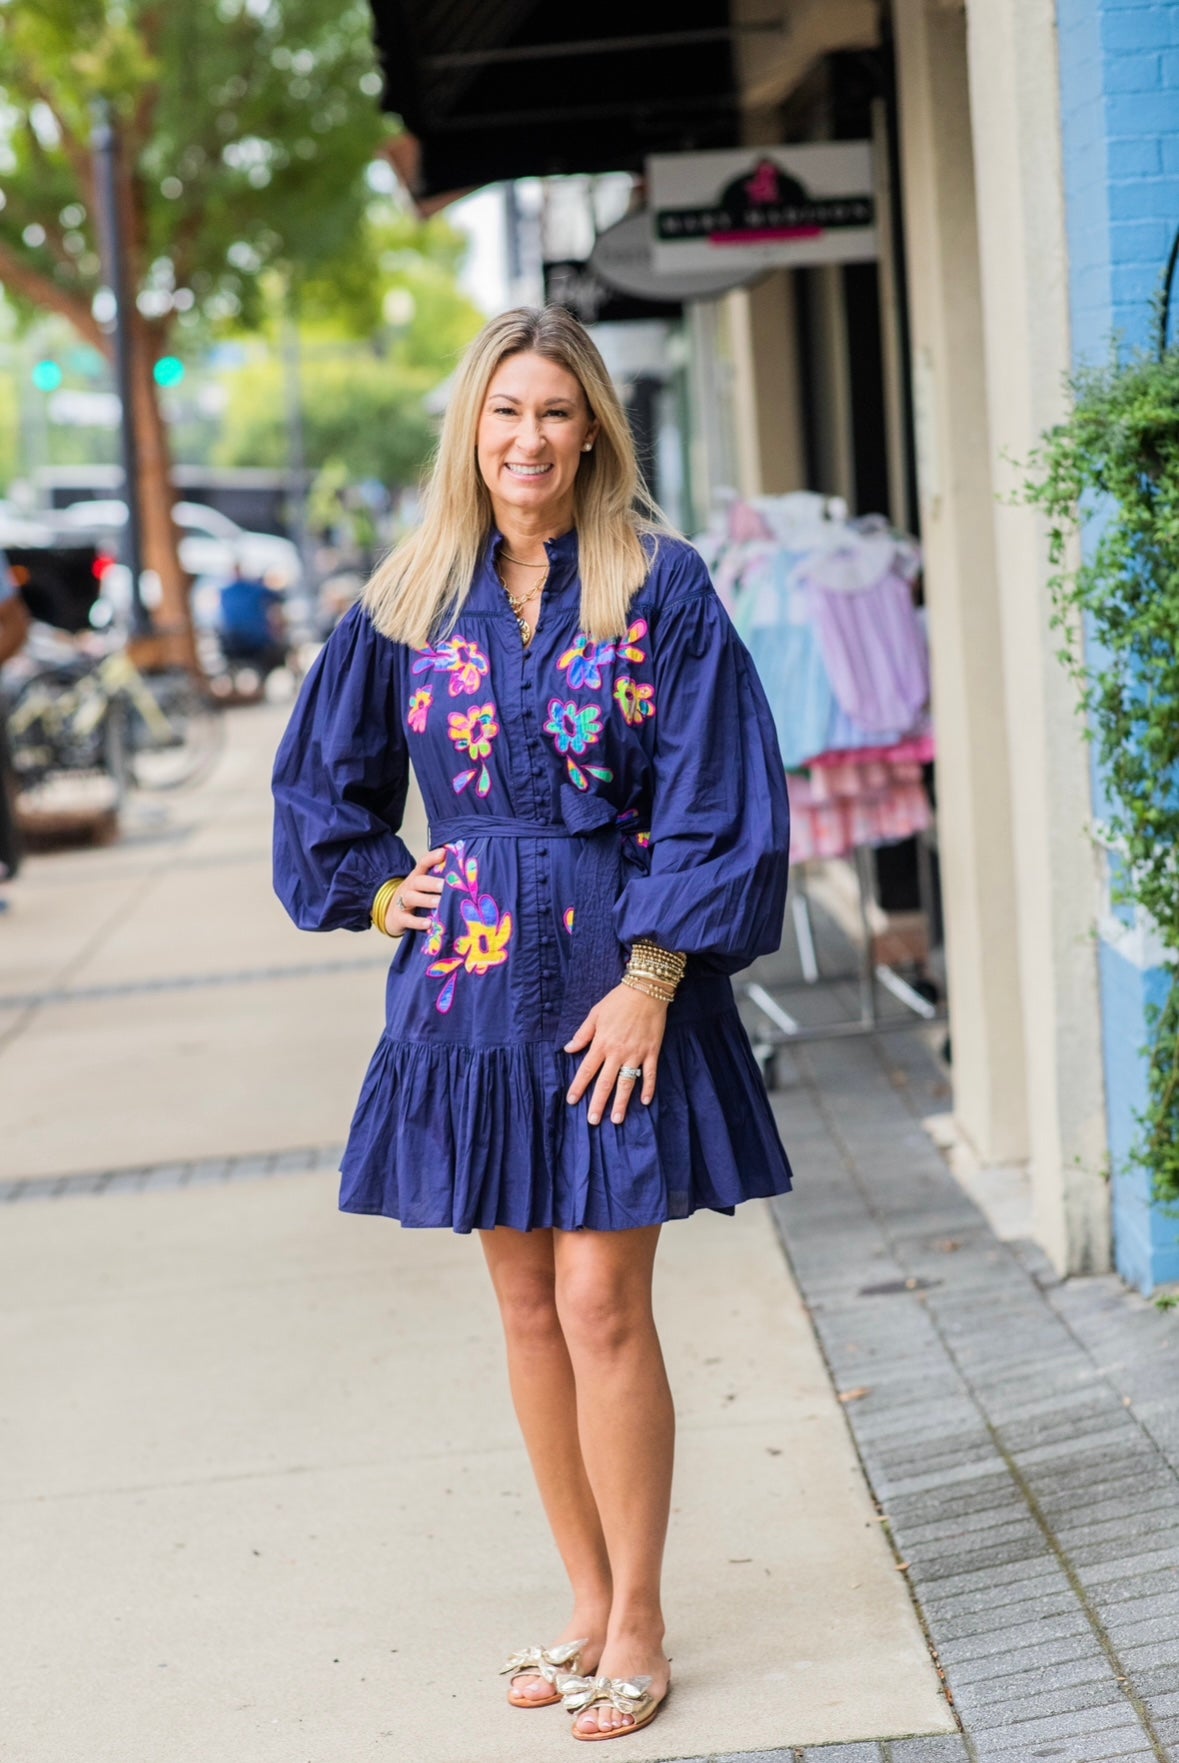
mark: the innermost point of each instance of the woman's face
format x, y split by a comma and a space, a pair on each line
533, 426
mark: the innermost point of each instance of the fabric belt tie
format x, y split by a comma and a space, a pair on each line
595, 967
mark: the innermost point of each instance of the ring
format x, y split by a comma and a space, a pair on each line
399, 902
631, 1071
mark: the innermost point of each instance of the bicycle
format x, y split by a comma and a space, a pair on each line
153, 731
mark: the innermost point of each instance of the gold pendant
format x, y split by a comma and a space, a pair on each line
525, 630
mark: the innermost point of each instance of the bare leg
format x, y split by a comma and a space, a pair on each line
627, 1425
541, 1377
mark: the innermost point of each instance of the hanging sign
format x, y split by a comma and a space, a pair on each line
773, 207
622, 257
575, 285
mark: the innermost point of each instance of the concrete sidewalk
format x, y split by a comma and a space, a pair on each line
260, 1487
262, 1492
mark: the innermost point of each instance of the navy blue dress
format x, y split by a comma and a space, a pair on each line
587, 794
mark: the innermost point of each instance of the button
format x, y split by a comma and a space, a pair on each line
542, 850
527, 685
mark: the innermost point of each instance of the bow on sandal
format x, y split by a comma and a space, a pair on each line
626, 1695
547, 1662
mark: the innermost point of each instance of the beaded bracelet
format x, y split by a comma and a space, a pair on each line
651, 988
661, 963
655, 970
382, 901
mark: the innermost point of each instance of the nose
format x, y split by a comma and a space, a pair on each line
530, 435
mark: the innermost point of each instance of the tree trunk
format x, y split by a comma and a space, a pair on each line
171, 621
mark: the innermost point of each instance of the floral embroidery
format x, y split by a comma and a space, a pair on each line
488, 934
472, 733
484, 943
574, 728
627, 650
584, 661
567, 919
419, 709
634, 700
463, 660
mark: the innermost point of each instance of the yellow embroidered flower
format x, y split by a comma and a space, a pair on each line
474, 732
488, 933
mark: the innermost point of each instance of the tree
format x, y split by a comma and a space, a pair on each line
378, 332
246, 129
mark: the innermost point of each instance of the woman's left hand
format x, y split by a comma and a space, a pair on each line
626, 1028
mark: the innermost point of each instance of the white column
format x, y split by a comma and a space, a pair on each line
1015, 109
955, 486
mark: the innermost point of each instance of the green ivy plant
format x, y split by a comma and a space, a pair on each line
1112, 468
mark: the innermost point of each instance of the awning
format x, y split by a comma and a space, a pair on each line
495, 89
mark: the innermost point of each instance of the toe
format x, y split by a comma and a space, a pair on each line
531, 1688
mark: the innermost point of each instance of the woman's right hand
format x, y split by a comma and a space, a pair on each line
419, 893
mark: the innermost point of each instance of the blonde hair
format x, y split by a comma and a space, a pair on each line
417, 592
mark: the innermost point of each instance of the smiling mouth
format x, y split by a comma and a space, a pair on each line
529, 470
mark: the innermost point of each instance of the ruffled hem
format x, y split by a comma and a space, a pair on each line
448, 1136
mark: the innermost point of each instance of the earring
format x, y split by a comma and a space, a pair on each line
588, 448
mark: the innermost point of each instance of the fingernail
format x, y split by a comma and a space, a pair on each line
568, 1047
594, 1119
571, 1098
616, 1119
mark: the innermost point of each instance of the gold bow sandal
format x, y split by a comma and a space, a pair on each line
547, 1662
626, 1695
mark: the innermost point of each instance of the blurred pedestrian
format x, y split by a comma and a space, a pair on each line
563, 1068
252, 623
14, 628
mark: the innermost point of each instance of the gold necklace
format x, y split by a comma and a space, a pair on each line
508, 558
515, 601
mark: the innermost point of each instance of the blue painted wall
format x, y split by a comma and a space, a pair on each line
1119, 96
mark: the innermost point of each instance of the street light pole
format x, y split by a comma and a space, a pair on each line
105, 143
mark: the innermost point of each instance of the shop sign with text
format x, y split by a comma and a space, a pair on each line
773, 207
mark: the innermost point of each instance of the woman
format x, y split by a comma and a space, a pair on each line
563, 1068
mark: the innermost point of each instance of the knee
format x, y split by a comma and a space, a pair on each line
529, 1309
599, 1316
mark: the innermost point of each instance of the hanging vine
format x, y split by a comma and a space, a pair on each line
1111, 471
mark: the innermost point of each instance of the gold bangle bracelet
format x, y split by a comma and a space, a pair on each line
656, 969
666, 963
382, 901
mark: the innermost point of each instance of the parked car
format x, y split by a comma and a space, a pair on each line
210, 542
57, 573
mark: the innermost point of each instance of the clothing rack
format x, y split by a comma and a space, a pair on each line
740, 538
778, 1028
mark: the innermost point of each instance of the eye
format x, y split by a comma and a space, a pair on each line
503, 410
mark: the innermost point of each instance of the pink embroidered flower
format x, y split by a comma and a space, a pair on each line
419, 709
468, 668
462, 659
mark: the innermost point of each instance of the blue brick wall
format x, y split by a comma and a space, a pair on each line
1119, 103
